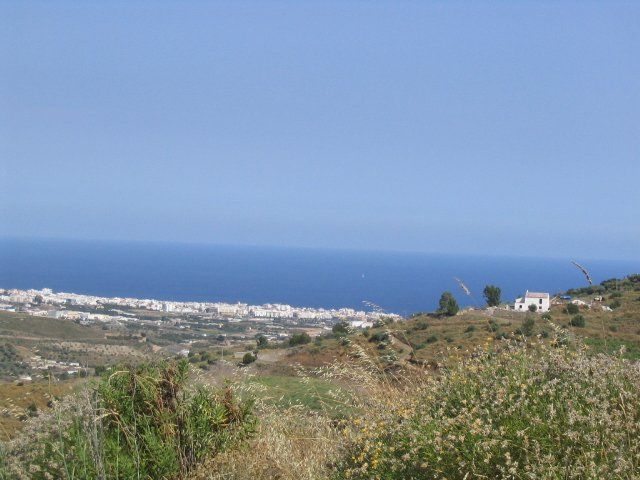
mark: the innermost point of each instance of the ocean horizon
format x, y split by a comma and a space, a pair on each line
399, 282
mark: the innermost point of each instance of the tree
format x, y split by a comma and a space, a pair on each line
533, 308
448, 305
261, 341
492, 295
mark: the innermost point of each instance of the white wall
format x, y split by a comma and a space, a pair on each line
541, 303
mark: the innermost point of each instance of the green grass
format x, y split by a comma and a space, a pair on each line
312, 393
29, 326
599, 345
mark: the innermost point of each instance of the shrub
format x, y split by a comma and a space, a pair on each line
572, 309
448, 306
137, 422
533, 308
248, 358
340, 329
299, 339
421, 325
32, 410
262, 341
577, 321
379, 337
527, 326
546, 316
432, 339
493, 325
615, 304
470, 328
519, 413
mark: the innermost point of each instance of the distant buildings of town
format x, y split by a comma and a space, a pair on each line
46, 302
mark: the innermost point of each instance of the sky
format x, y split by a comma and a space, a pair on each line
484, 128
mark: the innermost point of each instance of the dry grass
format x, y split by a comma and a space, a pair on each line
291, 444
15, 397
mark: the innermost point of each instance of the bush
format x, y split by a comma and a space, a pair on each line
432, 339
448, 306
136, 423
340, 329
577, 321
546, 316
248, 358
299, 339
32, 410
262, 341
572, 309
470, 328
520, 413
527, 326
379, 337
493, 326
533, 308
615, 304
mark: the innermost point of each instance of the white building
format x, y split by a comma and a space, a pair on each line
360, 324
540, 300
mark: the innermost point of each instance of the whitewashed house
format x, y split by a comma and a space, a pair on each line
540, 300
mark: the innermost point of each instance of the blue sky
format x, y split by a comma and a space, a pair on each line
491, 127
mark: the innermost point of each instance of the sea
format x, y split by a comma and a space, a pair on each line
398, 282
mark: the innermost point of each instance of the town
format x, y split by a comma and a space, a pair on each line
128, 328
45, 302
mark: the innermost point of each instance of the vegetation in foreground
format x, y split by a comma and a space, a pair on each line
140, 422
542, 412
527, 410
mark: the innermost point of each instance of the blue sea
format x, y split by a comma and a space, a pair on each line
403, 283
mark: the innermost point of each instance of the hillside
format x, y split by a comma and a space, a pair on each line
332, 407
431, 340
